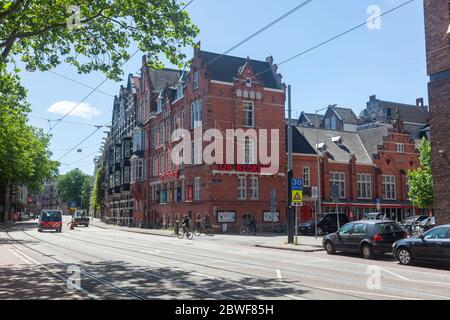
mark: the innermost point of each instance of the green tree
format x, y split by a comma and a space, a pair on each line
421, 179
70, 186
86, 193
93, 35
96, 195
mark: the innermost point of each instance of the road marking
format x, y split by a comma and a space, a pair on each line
279, 276
13, 251
295, 297
395, 274
311, 262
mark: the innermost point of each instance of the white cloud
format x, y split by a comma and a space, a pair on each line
83, 110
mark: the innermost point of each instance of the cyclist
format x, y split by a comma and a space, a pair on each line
207, 221
186, 223
198, 222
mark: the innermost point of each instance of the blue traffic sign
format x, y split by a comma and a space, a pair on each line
296, 184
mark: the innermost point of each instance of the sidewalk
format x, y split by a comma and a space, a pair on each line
269, 241
305, 244
155, 232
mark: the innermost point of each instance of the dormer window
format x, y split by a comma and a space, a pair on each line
248, 82
337, 140
180, 93
196, 80
159, 104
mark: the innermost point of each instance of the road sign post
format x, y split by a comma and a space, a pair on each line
296, 200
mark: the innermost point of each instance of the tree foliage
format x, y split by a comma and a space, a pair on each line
96, 195
93, 35
421, 179
70, 186
24, 153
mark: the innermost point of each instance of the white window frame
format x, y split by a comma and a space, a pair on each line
242, 187
196, 80
248, 107
306, 176
197, 188
196, 114
249, 151
400, 147
364, 185
339, 179
254, 188
388, 184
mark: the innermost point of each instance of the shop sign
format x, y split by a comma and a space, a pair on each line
269, 216
251, 168
226, 216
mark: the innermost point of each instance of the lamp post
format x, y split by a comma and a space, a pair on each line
319, 201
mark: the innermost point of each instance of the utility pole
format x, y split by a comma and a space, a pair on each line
290, 220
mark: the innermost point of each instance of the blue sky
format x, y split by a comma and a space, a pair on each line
389, 62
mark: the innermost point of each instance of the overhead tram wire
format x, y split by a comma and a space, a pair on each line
268, 26
101, 83
80, 83
339, 35
90, 135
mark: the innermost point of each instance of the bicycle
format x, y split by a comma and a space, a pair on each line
246, 229
185, 231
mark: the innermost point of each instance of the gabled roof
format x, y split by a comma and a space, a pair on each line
351, 144
346, 114
311, 118
408, 112
373, 137
162, 77
299, 143
225, 68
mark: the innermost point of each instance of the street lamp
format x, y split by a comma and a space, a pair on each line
319, 201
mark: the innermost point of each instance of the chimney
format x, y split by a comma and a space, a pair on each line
420, 105
373, 98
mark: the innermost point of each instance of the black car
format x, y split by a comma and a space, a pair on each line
326, 223
80, 217
370, 237
432, 246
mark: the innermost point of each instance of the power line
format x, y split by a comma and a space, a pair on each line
274, 22
339, 35
90, 135
68, 122
101, 83
80, 83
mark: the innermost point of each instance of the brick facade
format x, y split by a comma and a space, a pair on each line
169, 191
437, 21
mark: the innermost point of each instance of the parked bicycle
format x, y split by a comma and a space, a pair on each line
248, 229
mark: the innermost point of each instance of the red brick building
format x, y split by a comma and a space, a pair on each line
219, 92
366, 165
437, 32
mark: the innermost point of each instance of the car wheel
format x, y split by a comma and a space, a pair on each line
329, 247
404, 256
367, 251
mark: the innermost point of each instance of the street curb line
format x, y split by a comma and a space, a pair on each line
289, 249
134, 231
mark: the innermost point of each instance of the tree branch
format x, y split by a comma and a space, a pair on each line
12, 9
8, 46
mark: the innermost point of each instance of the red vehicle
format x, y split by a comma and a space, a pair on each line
50, 220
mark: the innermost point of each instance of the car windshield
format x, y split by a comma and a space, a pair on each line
80, 214
51, 216
387, 227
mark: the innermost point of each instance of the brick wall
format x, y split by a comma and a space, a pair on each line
437, 20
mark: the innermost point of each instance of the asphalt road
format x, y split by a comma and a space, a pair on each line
112, 264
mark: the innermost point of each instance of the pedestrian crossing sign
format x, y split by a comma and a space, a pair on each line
297, 197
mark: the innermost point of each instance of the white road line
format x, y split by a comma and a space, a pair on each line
13, 251
90, 295
311, 262
279, 276
395, 274
295, 297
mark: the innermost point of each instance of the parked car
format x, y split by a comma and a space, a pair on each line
80, 217
422, 227
411, 221
50, 220
369, 237
432, 246
376, 216
326, 223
